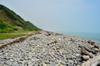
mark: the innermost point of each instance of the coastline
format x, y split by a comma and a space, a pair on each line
86, 36
48, 48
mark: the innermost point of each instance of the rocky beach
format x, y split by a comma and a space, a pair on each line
49, 49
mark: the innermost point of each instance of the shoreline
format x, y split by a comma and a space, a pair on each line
49, 48
97, 40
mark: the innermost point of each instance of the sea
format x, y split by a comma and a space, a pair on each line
88, 36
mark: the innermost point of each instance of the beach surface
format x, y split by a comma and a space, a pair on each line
48, 49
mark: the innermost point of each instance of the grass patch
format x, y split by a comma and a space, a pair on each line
15, 34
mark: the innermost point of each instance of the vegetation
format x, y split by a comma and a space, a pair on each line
11, 22
15, 34
12, 25
4, 27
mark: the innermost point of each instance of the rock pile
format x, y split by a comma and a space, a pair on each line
48, 49
89, 50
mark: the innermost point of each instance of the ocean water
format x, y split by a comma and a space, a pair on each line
88, 36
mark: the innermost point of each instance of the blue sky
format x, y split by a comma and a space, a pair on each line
59, 15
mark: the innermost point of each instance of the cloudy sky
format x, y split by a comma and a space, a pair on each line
59, 15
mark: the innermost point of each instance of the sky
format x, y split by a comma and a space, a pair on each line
59, 15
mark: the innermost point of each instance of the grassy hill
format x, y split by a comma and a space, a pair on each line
11, 22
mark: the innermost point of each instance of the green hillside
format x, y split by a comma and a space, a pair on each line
11, 22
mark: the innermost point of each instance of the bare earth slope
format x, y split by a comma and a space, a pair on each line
48, 49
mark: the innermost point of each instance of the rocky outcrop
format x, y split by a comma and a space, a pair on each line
93, 62
89, 50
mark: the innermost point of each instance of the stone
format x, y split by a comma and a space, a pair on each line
44, 64
96, 47
85, 57
91, 42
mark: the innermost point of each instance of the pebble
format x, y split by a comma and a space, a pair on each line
85, 57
